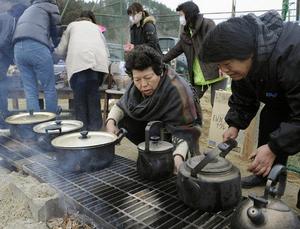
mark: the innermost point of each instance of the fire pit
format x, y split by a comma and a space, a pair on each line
116, 197
70, 221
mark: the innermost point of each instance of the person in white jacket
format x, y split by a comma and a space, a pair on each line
86, 63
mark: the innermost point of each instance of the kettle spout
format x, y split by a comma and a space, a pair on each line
256, 216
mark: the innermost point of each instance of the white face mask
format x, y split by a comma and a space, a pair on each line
131, 19
182, 20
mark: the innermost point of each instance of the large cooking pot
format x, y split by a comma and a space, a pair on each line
210, 182
86, 151
47, 131
21, 124
268, 211
155, 159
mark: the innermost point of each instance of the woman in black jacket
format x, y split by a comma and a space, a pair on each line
262, 56
143, 29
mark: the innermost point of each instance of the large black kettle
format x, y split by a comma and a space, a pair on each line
155, 160
210, 182
268, 211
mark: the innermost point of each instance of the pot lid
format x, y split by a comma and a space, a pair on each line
157, 146
30, 118
83, 140
58, 126
218, 165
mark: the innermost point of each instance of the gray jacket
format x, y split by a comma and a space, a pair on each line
39, 22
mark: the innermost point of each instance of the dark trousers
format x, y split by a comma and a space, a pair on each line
270, 119
85, 86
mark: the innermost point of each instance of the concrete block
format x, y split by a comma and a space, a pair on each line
43, 200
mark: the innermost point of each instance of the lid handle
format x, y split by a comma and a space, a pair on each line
147, 132
58, 122
278, 174
84, 134
224, 147
53, 128
154, 139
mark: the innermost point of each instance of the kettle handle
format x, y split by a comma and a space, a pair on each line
211, 155
147, 133
227, 146
278, 174
121, 134
224, 147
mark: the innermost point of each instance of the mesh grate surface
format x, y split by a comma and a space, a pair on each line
116, 197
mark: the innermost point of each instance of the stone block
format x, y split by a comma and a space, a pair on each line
43, 200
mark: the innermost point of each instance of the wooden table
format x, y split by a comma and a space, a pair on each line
66, 93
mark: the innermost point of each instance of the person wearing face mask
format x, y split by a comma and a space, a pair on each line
143, 29
201, 75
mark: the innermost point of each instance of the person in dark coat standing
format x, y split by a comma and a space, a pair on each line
8, 21
143, 29
201, 75
262, 57
35, 35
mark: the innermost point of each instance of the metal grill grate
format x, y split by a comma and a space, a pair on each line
116, 197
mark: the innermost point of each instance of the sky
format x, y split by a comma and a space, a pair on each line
209, 6
206, 6
225, 5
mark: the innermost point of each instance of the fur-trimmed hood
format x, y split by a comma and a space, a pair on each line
149, 19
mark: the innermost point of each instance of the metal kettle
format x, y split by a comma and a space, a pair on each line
155, 160
210, 182
268, 211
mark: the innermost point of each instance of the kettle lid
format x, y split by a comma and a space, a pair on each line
157, 146
217, 165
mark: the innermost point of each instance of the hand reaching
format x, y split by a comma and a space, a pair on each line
263, 159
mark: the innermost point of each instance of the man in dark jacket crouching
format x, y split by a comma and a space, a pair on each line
262, 56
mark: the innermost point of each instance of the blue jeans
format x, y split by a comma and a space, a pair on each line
35, 63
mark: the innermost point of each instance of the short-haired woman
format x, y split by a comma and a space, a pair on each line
157, 94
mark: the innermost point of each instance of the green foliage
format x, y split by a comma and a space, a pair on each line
113, 15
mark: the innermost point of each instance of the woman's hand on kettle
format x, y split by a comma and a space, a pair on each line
230, 133
111, 127
263, 159
178, 159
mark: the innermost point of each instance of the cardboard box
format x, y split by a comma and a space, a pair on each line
246, 138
